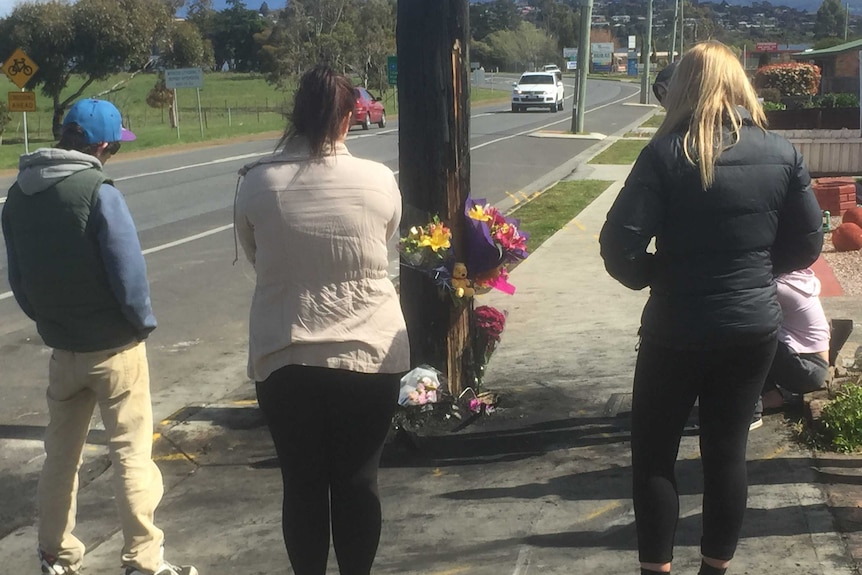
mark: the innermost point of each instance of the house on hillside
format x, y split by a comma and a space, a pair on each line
839, 66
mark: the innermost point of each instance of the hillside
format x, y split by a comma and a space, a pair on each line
806, 5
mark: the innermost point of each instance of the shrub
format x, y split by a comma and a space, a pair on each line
770, 94
160, 96
790, 79
770, 106
842, 418
5, 118
838, 101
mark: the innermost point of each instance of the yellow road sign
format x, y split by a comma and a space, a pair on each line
19, 68
22, 101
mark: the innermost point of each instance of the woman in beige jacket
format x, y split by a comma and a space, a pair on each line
327, 339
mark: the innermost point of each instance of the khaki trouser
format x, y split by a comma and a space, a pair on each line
118, 380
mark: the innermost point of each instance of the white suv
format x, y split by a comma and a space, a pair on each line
538, 90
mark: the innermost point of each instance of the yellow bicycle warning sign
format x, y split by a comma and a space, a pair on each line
19, 68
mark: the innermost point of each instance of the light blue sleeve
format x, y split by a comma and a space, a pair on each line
121, 255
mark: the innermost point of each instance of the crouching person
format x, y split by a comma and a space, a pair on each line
801, 363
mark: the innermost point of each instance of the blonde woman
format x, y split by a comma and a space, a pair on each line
730, 206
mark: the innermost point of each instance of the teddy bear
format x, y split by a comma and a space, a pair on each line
462, 286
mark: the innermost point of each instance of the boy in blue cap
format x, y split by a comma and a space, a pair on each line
76, 269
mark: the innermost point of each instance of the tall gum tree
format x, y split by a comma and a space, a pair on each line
91, 39
829, 20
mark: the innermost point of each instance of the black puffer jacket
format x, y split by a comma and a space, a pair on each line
716, 251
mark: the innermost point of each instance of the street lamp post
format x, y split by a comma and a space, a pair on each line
583, 65
672, 55
645, 53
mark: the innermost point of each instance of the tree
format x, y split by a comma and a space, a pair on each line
264, 9
375, 40
174, 5
200, 13
826, 43
350, 35
185, 48
489, 17
91, 38
829, 20
522, 49
233, 32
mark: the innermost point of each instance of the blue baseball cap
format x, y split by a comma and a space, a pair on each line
100, 120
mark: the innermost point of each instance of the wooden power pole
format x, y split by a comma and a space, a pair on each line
434, 162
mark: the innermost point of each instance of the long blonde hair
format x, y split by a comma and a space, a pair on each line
706, 87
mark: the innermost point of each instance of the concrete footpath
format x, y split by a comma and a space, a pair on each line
542, 486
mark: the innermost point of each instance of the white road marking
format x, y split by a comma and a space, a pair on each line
187, 239
155, 249
523, 563
548, 125
213, 231
200, 165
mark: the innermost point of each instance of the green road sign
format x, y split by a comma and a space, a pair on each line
392, 69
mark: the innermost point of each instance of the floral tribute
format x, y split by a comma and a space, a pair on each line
428, 249
488, 325
428, 245
493, 240
422, 386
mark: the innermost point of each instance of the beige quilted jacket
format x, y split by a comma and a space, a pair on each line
316, 232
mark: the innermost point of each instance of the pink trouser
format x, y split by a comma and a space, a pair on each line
118, 381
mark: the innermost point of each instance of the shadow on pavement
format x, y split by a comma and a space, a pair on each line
418, 449
37, 433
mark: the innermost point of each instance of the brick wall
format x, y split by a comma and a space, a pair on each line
847, 64
835, 195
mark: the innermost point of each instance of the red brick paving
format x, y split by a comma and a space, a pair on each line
829, 286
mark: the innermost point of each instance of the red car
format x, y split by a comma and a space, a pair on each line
368, 110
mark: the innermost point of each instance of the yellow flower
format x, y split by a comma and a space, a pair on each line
477, 212
437, 238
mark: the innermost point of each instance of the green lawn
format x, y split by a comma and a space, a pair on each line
232, 105
622, 152
653, 121
551, 210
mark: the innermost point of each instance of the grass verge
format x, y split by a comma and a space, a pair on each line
553, 209
653, 121
232, 105
622, 152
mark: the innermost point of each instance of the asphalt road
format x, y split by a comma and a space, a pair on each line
182, 205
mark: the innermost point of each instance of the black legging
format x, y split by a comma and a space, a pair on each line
667, 382
329, 427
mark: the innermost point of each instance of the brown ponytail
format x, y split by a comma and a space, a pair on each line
323, 100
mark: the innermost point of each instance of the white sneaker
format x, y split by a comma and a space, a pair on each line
52, 566
165, 569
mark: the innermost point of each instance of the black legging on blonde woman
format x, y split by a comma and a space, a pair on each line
666, 384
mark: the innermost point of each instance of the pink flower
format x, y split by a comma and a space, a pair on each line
509, 238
